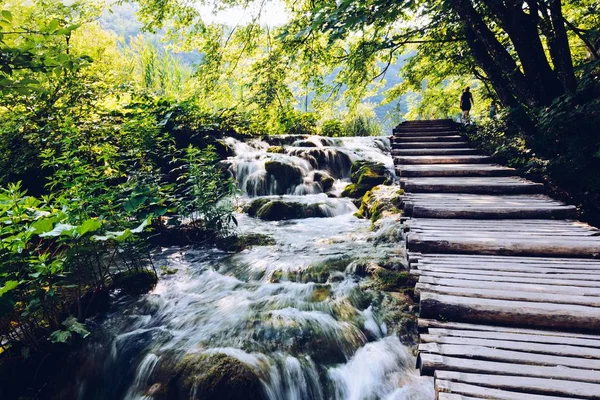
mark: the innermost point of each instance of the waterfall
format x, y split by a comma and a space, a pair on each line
289, 320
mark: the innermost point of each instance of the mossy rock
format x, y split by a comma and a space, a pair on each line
305, 143
321, 293
279, 210
215, 377
286, 175
325, 180
135, 282
276, 149
391, 280
237, 243
252, 208
365, 172
355, 190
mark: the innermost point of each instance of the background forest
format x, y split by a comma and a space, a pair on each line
111, 115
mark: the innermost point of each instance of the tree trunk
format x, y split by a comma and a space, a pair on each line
561, 55
522, 29
504, 63
499, 81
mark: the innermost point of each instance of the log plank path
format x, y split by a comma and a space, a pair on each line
508, 279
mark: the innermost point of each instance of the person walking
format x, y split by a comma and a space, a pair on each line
466, 101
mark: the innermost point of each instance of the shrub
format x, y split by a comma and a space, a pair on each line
332, 128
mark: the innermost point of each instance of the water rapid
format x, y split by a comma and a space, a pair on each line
295, 314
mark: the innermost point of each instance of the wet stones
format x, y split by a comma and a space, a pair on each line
364, 176
279, 210
324, 179
214, 377
381, 202
238, 243
276, 149
135, 282
285, 175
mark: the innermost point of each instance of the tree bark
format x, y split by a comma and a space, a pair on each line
522, 29
561, 55
504, 63
499, 81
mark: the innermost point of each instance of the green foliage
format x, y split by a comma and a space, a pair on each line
332, 128
361, 123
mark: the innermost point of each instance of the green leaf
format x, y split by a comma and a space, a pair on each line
8, 286
134, 202
53, 25
60, 336
76, 327
7, 15
60, 229
42, 226
90, 225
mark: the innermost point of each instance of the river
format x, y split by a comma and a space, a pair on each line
295, 312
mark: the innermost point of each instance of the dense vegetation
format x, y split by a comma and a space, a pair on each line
109, 139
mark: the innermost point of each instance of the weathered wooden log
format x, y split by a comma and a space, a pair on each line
507, 356
433, 152
508, 247
475, 185
409, 160
460, 328
539, 287
430, 145
430, 138
522, 388
505, 312
510, 295
494, 213
442, 170
559, 349
429, 363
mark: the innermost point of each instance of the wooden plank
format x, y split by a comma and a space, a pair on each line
427, 138
519, 247
434, 145
520, 384
451, 396
441, 159
507, 356
494, 213
510, 295
527, 287
475, 185
514, 278
539, 336
429, 363
425, 170
433, 152
433, 257
540, 269
563, 350
488, 393
460, 327
519, 313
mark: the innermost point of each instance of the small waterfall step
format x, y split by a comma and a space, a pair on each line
489, 252
433, 152
438, 170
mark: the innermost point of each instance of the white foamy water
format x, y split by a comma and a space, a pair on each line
294, 312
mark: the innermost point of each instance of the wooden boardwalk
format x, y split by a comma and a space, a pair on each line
508, 279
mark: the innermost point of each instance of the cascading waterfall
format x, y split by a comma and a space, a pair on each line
294, 313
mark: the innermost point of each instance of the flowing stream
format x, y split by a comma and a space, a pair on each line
295, 311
